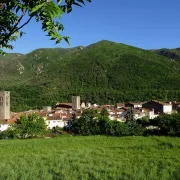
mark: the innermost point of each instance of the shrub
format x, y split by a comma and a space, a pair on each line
169, 124
103, 126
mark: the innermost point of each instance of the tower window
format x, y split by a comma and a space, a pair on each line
7, 98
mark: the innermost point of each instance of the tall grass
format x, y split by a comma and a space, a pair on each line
97, 157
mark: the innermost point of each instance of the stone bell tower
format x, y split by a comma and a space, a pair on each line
76, 102
4, 105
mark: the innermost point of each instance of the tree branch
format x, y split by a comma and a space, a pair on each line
13, 29
23, 24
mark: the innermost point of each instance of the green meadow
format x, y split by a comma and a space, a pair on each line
93, 157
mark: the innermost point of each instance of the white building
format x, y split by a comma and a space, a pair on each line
83, 105
151, 114
134, 105
3, 126
53, 121
167, 108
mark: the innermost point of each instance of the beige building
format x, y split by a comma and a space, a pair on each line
47, 108
76, 102
4, 105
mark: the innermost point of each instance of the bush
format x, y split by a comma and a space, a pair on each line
168, 124
8, 134
103, 126
27, 127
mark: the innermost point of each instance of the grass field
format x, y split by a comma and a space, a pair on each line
96, 157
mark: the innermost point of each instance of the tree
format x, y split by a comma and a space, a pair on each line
168, 124
91, 113
15, 14
130, 115
104, 112
29, 126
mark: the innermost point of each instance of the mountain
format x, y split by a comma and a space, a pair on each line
104, 72
173, 54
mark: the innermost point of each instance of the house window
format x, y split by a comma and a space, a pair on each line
54, 121
49, 122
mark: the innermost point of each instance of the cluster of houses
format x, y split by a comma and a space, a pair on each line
63, 113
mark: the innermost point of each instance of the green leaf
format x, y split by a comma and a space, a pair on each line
66, 38
38, 7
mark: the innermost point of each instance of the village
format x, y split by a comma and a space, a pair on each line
63, 113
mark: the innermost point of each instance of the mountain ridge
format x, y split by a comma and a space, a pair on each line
103, 72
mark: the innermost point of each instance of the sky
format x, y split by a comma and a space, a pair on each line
148, 24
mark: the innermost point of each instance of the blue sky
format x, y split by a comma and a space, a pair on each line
147, 24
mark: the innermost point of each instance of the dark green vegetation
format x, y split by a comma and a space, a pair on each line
127, 158
168, 124
173, 54
105, 72
92, 123
30, 126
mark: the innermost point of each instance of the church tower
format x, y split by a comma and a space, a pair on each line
4, 105
76, 102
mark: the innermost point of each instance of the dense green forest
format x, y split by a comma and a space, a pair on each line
173, 54
104, 72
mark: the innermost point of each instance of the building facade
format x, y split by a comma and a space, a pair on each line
158, 107
47, 108
3, 126
76, 102
4, 105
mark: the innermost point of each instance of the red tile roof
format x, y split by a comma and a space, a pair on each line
11, 121
67, 119
42, 114
50, 118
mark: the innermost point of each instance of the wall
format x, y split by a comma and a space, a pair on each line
4, 105
158, 108
54, 123
3, 127
167, 109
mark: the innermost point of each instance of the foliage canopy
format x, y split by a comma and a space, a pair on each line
103, 73
29, 126
15, 14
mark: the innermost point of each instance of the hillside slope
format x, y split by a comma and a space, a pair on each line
104, 72
173, 54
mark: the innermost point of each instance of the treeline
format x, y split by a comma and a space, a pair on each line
104, 72
35, 97
92, 123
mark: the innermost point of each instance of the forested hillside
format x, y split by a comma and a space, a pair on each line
104, 72
173, 54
